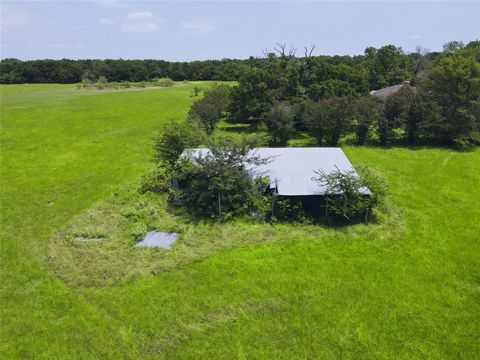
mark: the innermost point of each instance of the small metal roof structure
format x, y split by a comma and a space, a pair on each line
385, 92
291, 169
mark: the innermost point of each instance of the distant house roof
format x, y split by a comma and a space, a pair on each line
291, 169
387, 91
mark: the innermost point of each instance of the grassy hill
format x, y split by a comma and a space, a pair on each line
409, 289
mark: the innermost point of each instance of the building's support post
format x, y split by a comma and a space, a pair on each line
274, 197
219, 206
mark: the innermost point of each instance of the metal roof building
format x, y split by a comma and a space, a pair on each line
291, 169
390, 90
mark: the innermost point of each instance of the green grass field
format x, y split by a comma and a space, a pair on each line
408, 288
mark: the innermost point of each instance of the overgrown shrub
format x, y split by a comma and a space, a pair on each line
218, 185
209, 110
158, 179
289, 209
280, 121
377, 186
467, 142
175, 137
349, 197
163, 82
138, 230
101, 83
88, 80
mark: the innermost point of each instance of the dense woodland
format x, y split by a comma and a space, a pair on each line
376, 68
15, 71
437, 100
288, 91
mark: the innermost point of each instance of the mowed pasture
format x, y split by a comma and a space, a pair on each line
408, 288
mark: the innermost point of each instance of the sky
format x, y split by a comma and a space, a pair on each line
184, 31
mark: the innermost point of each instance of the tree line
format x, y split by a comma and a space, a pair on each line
14, 71
322, 75
439, 105
435, 100
326, 96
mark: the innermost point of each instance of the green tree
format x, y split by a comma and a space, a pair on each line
329, 119
101, 83
395, 113
453, 83
175, 137
347, 196
280, 121
387, 66
330, 88
366, 111
12, 71
209, 110
471, 50
316, 121
88, 79
453, 47
218, 185
252, 97
415, 118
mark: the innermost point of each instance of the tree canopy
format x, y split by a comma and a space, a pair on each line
217, 184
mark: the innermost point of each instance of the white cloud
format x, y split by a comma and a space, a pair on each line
141, 21
415, 37
12, 18
106, 21
199, 27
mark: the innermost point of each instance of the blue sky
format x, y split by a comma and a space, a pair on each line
215, 30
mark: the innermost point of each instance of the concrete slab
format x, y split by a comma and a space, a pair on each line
158, 239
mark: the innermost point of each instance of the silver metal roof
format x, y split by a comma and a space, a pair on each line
385, 92
291, 169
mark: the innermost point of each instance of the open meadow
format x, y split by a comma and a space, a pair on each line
405, 288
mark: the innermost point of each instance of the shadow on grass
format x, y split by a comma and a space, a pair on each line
240, 129
308, 217
305, 139
420, 144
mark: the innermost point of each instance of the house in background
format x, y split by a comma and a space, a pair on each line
390, 90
